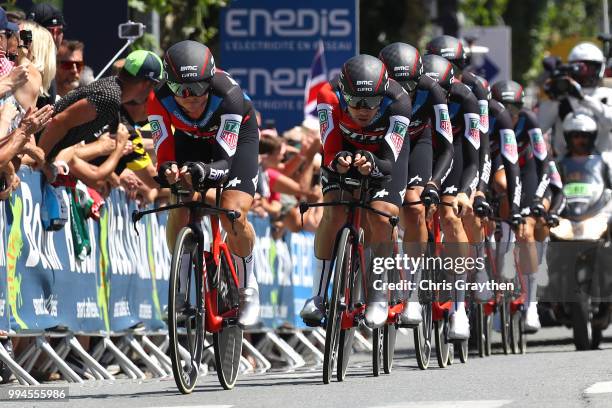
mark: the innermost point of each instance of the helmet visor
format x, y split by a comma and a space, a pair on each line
188, 89
368, 102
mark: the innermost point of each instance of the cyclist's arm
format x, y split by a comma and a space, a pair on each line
328, 111
471, 145
161, 131
80, 112
442, 132
540, 154
484, 170
509, 155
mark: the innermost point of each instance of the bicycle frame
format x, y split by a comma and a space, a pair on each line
197, 210
353, 223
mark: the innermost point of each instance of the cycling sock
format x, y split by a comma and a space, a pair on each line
532, 288
321, 276
245, 269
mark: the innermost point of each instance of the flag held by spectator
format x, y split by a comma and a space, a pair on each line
316, 80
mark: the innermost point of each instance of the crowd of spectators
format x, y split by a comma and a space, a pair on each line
40, 74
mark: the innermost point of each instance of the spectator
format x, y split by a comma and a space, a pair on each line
41, 53
95, 108
70, 66
48, 16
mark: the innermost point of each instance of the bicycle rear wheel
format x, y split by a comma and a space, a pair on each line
504, 313
488, 333
186, 320
227, 343
335, 308
517, 337
389, 337
442, 345
480, 330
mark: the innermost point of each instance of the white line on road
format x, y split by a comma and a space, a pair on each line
199, 406
449, 404
600, 388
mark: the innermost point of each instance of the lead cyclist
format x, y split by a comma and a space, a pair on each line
205, 131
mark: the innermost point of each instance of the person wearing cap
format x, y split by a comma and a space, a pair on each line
95, 108
51, 18
6, 30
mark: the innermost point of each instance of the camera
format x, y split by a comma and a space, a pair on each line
560, 75
26, 37
131, 30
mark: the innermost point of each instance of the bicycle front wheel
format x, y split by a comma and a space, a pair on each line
227, 342
335, 307
185, 311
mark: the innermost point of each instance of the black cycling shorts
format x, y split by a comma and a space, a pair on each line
452, 183
391, 191
244, 169
420, 165
529, 185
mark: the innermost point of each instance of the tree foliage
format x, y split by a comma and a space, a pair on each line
181, 20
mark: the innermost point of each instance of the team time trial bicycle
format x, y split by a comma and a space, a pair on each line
344, 301
203, 294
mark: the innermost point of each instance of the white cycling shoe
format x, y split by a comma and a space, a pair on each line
412, 314
376, 314
459, 326
532, 319
249, 306
313, 311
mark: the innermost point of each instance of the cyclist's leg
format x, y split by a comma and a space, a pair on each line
413, 218
332, 220
528, 256
238, 196
379, 235
454, 233
474, 229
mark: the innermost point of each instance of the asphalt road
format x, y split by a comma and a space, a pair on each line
551, 374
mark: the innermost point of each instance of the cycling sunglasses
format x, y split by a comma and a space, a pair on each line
189, 89
368, 102
68, 65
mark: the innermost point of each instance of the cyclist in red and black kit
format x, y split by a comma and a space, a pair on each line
364, 118
462, 179
431, 151
205, 133
533, 162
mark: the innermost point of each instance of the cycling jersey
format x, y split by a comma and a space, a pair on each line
225, 133
533, 159
384, 137
480, 88
430, 135
504, 151
465, 120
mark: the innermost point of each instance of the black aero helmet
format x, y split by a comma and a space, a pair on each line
450, 48
439, 69
508, 92
403, 63
189, 67
363, 81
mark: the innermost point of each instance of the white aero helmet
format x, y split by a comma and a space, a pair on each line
579, 122
590, 54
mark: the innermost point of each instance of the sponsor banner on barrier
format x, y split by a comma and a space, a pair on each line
4, 316
301, 246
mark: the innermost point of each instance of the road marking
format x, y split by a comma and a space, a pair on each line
449, 404
198, 406
600, 388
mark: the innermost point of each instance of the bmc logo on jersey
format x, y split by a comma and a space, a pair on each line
230, 133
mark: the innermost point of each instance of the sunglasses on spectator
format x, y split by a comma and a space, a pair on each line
188, 89
368, 102
68, 65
